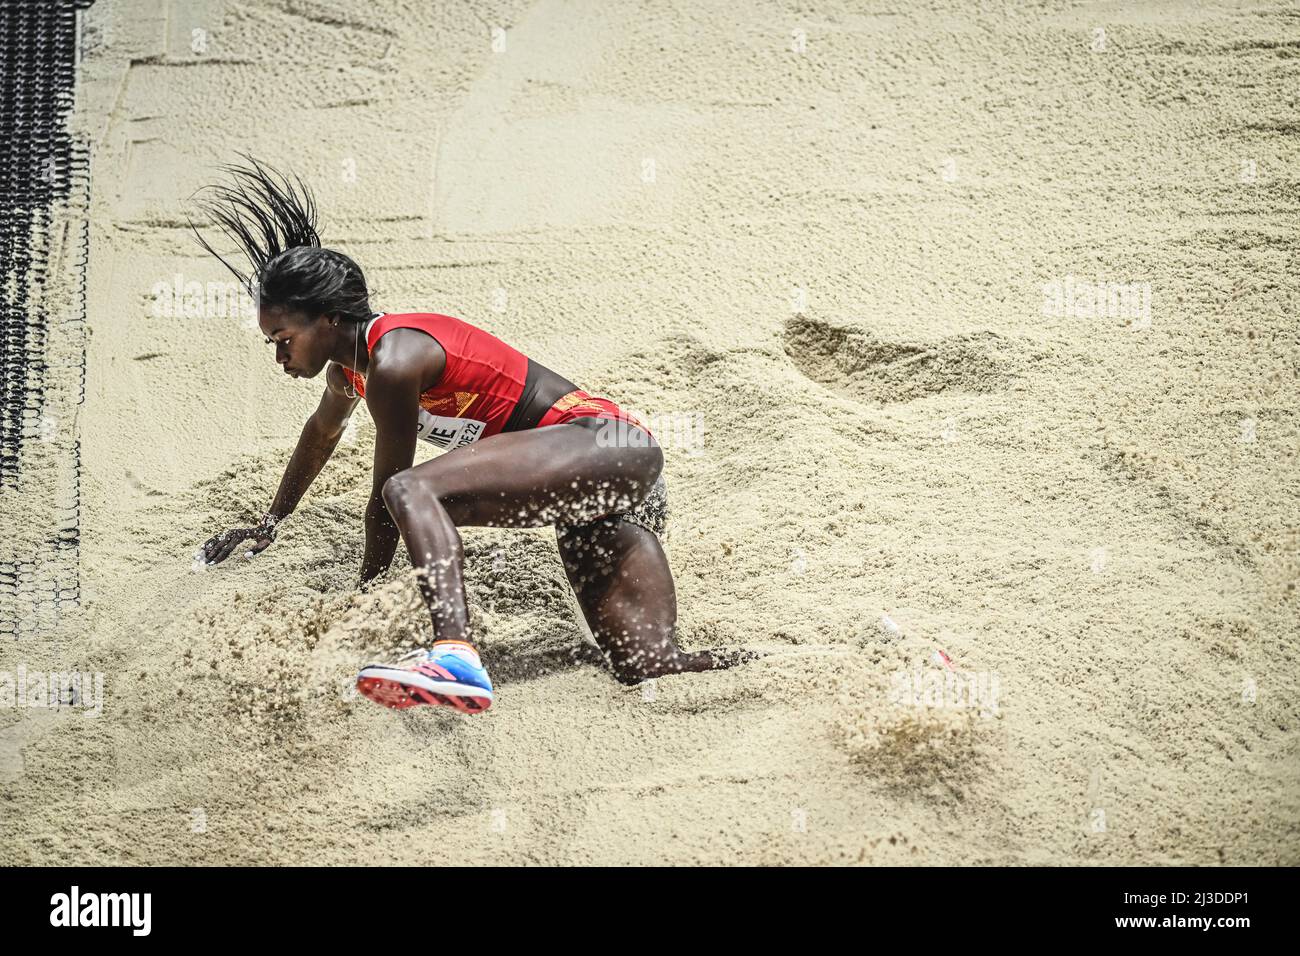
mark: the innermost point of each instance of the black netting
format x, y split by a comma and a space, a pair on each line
44, 188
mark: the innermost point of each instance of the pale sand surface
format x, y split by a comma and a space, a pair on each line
1072, 504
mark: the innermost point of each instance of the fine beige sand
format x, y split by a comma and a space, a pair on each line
827, 231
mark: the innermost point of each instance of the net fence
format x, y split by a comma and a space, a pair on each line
44, 245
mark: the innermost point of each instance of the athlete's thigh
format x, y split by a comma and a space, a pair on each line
539, 476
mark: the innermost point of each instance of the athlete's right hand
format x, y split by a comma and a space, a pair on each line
220, 546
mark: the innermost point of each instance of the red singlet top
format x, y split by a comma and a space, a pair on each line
478, 389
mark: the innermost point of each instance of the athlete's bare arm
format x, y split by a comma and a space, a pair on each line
402, 365
320, 436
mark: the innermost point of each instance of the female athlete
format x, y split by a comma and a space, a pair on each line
522, 447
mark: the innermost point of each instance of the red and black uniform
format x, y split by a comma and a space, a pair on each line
480, 389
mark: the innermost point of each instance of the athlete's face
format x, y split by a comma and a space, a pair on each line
303, 344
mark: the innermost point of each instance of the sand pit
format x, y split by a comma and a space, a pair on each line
974, 330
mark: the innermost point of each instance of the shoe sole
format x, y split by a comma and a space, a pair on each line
397, 689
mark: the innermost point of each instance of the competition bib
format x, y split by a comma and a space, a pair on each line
448, 432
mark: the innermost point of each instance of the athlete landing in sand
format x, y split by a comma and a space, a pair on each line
524, 449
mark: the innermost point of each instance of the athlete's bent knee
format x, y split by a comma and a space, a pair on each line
401, 491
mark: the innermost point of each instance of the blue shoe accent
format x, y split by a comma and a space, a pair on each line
464, 671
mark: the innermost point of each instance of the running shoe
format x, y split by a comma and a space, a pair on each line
448, 674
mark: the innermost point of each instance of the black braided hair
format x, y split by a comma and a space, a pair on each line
273, 221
